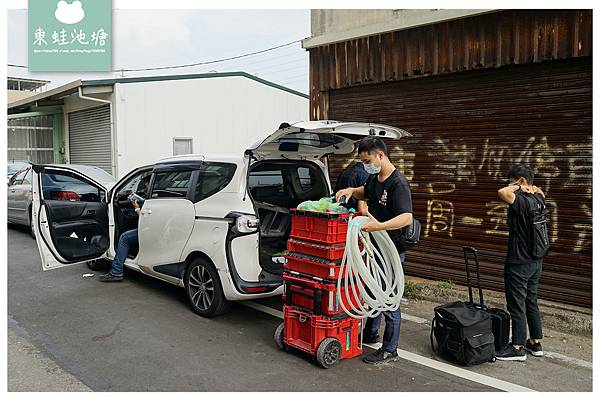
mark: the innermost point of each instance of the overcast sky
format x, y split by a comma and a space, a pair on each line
154, 38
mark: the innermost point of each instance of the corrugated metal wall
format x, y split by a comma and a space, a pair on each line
90, 142
469, 128
486, 41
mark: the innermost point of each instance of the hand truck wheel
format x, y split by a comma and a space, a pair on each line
329, 352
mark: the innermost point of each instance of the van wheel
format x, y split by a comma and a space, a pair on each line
203, 289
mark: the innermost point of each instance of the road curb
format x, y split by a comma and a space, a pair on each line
564, 318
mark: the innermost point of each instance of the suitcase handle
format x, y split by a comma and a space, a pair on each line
470, 250
316, 297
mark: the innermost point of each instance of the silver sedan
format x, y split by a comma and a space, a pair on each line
20, 190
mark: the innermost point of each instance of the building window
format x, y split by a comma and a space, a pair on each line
182, 146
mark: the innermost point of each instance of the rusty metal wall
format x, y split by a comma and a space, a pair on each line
469, 128
486, 41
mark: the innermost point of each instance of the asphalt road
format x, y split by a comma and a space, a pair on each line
140, 335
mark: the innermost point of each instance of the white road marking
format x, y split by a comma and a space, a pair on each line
561, 357
421, 360
414, 319
279, 314
263, 308
456, 371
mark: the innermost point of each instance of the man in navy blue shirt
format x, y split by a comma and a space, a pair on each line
353, 176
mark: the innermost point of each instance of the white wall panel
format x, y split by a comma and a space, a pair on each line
222, 115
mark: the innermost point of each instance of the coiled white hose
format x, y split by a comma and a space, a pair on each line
374, 276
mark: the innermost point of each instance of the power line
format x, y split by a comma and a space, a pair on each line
208, 62
275, 61
276, 69
192, 64
258, 65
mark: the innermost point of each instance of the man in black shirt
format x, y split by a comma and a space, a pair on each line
521, 270
390, 208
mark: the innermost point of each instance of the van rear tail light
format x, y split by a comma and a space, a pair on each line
246, 224
65, 195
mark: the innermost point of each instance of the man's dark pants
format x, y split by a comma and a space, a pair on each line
521, 287
391, 334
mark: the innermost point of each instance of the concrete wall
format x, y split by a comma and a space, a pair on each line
330, 26
221, 115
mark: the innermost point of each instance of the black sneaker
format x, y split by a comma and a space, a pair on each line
534, 349
381, 356
108, 277
510, 353
370, 339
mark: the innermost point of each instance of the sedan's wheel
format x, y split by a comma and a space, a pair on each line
203, 289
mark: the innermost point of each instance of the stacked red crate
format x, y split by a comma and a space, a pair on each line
307, 332
313, 315
317, 296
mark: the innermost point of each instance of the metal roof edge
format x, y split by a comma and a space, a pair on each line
43, 95
390, 26
192, 76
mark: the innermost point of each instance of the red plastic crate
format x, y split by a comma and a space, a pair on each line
306, 331
325, 228
316, 296
330, 252
312, 265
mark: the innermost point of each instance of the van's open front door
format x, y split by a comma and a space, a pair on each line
70, 216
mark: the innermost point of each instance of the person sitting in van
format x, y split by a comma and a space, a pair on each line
127, 240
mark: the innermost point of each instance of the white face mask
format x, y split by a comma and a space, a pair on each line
372, 168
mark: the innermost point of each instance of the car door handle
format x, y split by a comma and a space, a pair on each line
146, 212
90, 212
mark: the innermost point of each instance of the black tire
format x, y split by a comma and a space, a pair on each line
279, 338
203, 289
329, 352
98, 264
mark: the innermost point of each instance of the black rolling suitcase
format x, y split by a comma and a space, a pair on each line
461, 332
500, 318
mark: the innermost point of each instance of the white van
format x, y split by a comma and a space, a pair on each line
210, 223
